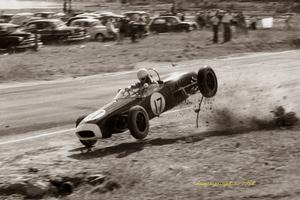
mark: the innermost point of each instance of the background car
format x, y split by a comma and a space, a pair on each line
22, 18
5, 18
45, 15
54, 30
70, 20
170, 24
94, 29
12, 39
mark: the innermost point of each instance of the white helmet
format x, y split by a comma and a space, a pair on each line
142, 73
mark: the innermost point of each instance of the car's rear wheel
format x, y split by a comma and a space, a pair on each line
207, 82
100, 37
138, 122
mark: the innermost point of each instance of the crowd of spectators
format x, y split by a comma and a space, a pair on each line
224, 20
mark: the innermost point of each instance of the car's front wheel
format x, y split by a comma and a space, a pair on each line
138, 122
207, 82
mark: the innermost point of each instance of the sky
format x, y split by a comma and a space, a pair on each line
14, 4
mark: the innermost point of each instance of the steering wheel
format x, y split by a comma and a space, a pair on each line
151, 69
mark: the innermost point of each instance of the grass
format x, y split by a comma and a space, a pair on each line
82, 59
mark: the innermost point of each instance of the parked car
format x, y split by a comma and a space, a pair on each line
93, 15
12, 39
54, 30
107, 16
5, 18
70, 20
23, 18
45, 15
94, 29
170, 24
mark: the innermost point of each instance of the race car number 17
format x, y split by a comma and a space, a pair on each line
158, 103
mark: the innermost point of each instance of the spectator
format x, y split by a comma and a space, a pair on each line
65, 7
173, 9
215, 26
287, 22
253, 22
181, 16
226, 21
112, 29
242, 22
200, 19
133, 30
123, 27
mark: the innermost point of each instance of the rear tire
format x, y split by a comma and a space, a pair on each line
207, 82
138, 122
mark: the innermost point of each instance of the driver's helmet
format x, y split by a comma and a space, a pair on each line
142, 74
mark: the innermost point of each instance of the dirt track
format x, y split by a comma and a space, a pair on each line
176, 156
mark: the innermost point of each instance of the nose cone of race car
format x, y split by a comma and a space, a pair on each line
88, 131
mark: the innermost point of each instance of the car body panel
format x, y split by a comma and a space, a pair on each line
45, 15
21, 18
55, 30
12, 37
170, 24
93, 27
5, 18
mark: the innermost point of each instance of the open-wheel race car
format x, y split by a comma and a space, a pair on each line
132, 109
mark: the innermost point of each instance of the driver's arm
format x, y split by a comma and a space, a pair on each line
136, 86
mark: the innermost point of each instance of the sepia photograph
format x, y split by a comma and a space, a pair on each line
149, 99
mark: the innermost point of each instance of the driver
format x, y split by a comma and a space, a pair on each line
145, 79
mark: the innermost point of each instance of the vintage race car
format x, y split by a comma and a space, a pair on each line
132, 109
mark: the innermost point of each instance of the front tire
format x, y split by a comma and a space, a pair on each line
88, 143
138, 122
207, 82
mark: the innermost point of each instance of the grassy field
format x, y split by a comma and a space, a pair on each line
52, 62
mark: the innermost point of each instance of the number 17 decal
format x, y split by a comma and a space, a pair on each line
158, 103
